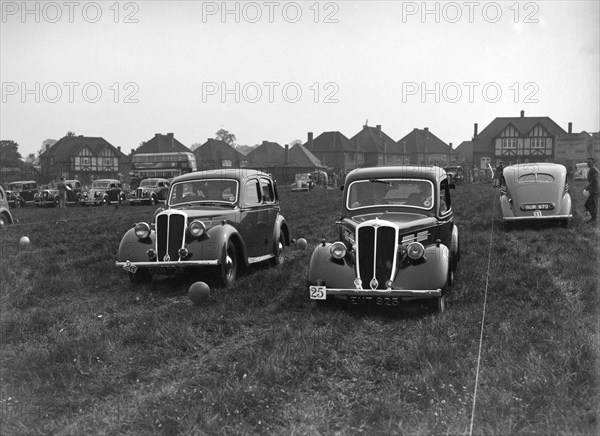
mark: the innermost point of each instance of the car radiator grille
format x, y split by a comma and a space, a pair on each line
170, 235
376, 249
138, 192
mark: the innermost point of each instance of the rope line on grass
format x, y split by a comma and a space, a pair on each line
487, 280
60, 219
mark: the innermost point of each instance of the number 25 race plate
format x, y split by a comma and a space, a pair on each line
318, 293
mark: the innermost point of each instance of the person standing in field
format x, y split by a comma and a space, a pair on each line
591, 204
62, 193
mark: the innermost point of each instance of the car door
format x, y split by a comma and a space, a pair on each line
269, 211
446, 215
251, 228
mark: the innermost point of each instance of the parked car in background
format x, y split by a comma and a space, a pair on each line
397, 240
103, 192
150, 191
21, 193
581, 171
535, 192
5, 215
219, 219
302, 182
47, 195
456, 174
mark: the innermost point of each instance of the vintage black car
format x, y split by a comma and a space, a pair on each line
150, 191
455, 173
5, 215
48, 195
103, 192
21, 193
219, 219
397, 240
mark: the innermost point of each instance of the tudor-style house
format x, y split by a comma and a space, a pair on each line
84, 158
516, 140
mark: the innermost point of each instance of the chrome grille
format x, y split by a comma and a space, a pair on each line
376, 254
138, 192
170, 235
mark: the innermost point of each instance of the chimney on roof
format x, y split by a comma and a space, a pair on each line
475, 130
264, 142
378, 129
310, 141
286, 161
119, 147
522, 114
132, 151
157, 135
570, 128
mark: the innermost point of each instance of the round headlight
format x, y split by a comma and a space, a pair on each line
142, 230
196, 228
415, 250
338, 250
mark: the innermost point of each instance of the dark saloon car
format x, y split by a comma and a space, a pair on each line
21, 193
535, 192
455, 173
150, 191
103, 192
397, 240
48, 195
219, 219
5, 215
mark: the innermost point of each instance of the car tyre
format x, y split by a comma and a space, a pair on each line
226, 273
279, 254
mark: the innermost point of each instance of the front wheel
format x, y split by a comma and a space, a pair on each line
227, 272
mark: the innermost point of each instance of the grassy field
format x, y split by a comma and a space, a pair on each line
85, 352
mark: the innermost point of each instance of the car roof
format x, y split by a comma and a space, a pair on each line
107, 180
238, 174
22, 181
429, 172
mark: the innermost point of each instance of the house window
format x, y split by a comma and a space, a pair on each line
108, 161
85, 161
509, 143
539, 143
226, 163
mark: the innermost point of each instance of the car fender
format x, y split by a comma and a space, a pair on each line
280, 227
505, 207
134, 249
323, 269
216, 242
565, 206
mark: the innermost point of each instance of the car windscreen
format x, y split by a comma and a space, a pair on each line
100, 185
204, 191
414, 193
149, 183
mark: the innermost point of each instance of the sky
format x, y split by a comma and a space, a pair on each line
276, 70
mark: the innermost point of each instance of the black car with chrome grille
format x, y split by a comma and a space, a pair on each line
218, 219
397, 240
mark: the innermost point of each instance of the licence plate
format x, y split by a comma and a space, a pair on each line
129, 267
377, 301
318, 292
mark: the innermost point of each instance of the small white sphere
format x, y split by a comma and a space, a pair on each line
586, 193
24, 241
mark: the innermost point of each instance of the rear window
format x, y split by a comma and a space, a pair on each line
536, 178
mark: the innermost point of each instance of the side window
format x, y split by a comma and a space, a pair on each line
267, 191
251, 193
444, 196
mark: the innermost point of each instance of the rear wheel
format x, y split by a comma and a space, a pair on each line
227, 272
280, 248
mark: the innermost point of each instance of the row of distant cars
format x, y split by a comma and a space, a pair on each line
103, 192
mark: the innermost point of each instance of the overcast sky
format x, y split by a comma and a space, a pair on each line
276, 70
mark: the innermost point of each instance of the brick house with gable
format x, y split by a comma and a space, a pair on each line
85, 158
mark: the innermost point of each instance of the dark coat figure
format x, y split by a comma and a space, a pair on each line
500, 171
591, 204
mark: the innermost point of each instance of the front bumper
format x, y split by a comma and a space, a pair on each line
405, 293
166, 268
